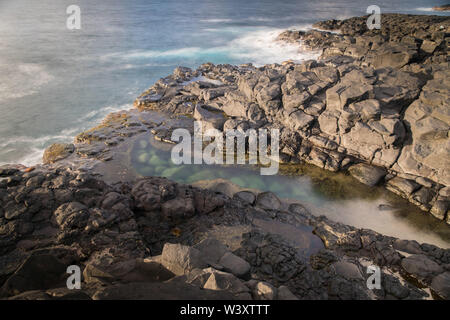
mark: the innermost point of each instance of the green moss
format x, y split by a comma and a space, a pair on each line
156, 161
143, 157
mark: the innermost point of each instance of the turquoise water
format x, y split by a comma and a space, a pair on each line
54, 82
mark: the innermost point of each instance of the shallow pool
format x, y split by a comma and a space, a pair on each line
335, 195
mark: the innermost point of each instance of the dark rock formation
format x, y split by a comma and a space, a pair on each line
119, 235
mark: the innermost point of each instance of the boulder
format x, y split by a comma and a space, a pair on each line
226, 282
235, 265
264, 291
245, 196
206, 202
440, 209
268, 200
429, 46
408, 246
401, 186
347, 270
148, 193
421, 266
178, 209
366, 174
441, 285
181, 259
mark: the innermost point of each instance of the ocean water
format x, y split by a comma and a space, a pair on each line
55, 82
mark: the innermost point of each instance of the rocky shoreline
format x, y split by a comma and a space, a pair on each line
151, 238
374, 103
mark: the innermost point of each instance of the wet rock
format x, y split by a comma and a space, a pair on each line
366, 174
421, 266
440, 209
299, 209
408, 246
441, 285
245, 196
268, 200
402, 186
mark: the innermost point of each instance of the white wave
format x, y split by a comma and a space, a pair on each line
216, 20
260, 47
249, 19
37, 145
32, 158
129, 66
189, 51
424, 9
256, 46
102, 112
22, 80
64, 135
